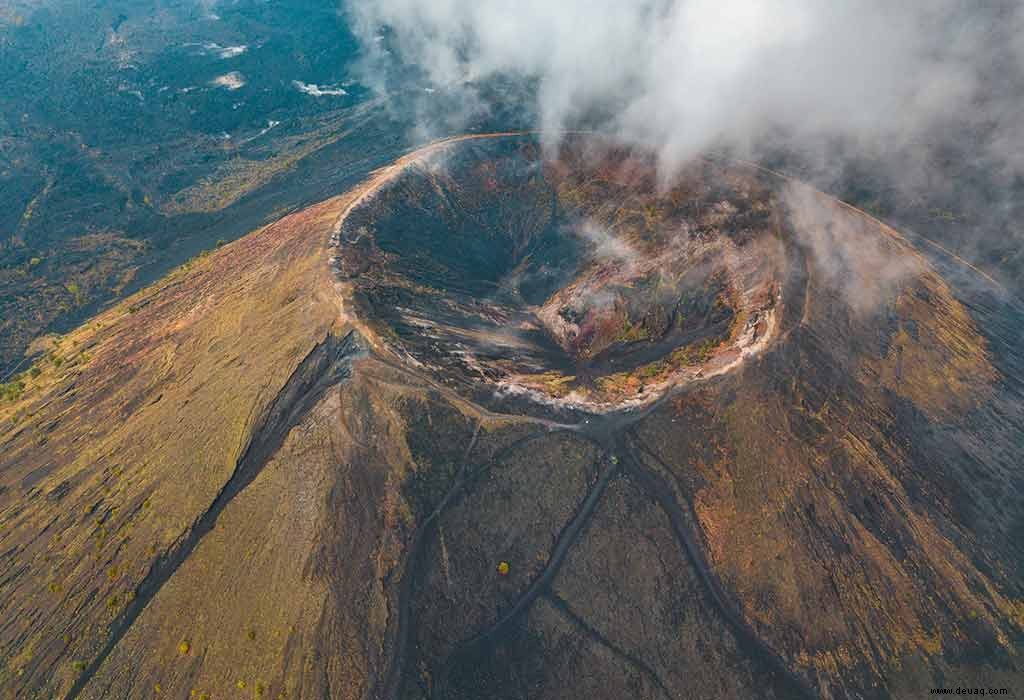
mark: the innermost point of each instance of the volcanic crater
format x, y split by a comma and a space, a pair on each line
573, 278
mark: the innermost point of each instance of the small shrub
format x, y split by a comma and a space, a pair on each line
12, 391
76, 292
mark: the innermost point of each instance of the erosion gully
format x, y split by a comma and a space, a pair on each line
617, 443
328, 363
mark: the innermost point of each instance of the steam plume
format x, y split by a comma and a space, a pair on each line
905, 84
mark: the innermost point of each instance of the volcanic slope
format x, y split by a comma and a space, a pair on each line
505, 424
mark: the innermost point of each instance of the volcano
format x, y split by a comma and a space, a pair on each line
512, 420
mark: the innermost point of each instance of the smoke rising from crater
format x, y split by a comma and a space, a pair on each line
684, 75
903, 86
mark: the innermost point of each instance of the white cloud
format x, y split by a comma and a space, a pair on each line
229, 81
226, 51
318, 90
223, 52
683, 76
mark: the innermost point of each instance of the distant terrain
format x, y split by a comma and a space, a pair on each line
124, 150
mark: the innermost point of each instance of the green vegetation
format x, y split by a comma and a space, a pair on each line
652, 370
631, 333
558, 384
697, 353
191, 262
942, 214
77, 293
12, 391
